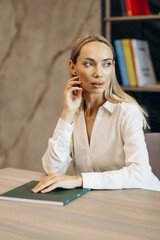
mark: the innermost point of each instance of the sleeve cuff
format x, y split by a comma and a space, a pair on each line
63, 129
103, 180
91, 180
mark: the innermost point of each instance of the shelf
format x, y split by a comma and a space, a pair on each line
148, 88
133, 18
134, 26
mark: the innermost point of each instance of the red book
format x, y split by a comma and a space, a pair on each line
137, 7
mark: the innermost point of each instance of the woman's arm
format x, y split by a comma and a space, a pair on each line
58, 155
137, 172
56, 161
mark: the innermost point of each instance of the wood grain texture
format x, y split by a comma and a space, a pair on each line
120, 214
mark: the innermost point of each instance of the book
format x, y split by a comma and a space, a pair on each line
121, 62
143, 62
57, 197
126, 44
123, 7
137, 7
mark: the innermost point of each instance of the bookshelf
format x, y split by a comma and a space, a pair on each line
133, 18
148, 88
116, 26
108, 19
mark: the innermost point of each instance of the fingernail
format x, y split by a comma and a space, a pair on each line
34, 190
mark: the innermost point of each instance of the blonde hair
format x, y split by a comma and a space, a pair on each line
114, 90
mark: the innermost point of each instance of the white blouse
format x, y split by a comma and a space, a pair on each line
116, 157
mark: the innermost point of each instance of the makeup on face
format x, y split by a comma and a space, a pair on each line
95, 66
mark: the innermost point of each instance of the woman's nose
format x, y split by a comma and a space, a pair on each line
98, 72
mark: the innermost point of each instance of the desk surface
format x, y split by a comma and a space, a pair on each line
120, 214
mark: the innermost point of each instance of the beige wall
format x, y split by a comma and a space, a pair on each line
35, 40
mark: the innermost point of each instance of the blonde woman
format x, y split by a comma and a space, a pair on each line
100, 131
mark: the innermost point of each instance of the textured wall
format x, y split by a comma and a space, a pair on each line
35, 40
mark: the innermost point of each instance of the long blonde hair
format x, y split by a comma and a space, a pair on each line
114, 90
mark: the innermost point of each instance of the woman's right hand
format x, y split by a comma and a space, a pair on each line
72, 98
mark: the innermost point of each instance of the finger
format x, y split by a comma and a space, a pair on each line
39, 184
42, 185
73, 83
38, 187
79, 92
73, 78
45, 179
50, 188
74, 89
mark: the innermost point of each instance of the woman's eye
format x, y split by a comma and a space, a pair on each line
88, 64
108, 64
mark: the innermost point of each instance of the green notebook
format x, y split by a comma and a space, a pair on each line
57, 197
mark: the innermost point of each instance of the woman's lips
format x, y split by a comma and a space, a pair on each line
97, 84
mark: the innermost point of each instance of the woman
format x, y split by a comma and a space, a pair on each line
100, 128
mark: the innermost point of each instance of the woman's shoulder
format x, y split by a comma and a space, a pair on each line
127, 112
123, 107
130, 114
128, 107
117, 103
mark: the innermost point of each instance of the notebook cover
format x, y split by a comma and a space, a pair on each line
57, 197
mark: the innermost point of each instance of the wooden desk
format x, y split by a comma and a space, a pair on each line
120, 214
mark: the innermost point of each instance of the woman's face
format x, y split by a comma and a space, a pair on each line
94, 67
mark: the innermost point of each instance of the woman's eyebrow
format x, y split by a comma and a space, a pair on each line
93, 60
90, 59
104, 60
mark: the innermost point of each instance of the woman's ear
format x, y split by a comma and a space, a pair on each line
72, 67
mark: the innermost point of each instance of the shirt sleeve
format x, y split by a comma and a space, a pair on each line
137, 172
58, 154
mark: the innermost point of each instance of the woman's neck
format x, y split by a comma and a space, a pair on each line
93, 102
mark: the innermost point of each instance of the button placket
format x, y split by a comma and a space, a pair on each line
93, 137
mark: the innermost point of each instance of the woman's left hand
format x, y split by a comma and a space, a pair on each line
55, 180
